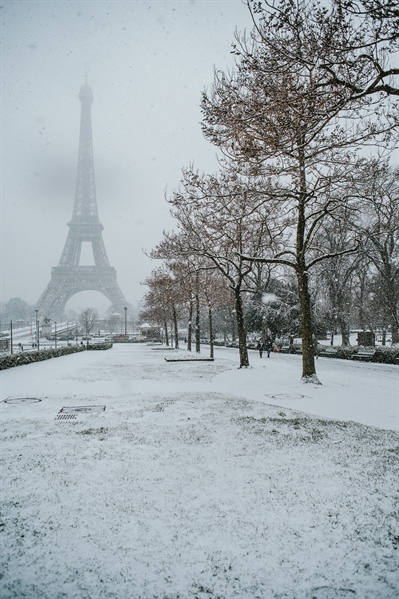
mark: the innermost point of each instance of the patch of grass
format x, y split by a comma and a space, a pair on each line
94, 431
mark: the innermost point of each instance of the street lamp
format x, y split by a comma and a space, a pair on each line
125, 321
55, 334
11, 350
37, 330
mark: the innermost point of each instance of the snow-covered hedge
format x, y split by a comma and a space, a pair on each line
105, 345
383, 354
8, 361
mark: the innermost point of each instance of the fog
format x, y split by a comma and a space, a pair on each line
147, 63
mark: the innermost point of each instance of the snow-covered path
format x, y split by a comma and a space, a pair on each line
194, 482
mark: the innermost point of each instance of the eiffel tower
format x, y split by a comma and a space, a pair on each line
68, 278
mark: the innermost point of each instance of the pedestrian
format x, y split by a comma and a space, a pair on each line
268, 345
260, 347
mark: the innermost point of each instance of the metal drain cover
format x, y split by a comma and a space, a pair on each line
22, 400
82, 409
286, 396
66, 417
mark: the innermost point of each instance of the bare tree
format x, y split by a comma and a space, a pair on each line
378, 184
337, 274
113, 322
218, 222
362, 40
88, 318
278, 117
165, 298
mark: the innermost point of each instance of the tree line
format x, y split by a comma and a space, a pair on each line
304, 208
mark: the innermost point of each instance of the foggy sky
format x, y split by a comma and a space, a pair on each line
147, 64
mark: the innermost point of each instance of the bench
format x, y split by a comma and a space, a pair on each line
285, 349
364, 354
189, 359
329, 352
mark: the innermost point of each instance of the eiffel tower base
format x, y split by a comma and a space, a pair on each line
66, 281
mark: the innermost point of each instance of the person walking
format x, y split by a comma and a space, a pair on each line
268, 346
260, 347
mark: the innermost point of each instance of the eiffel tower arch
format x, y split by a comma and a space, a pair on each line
69, 278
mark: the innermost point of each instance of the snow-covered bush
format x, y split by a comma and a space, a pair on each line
8, 361
106, 345
383, 354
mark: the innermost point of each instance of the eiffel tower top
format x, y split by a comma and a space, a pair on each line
85, 206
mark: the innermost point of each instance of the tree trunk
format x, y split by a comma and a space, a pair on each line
394, 318
166, 333
344, 327
210, 332
308, 361
242, 336
197, 324
384, 336
190, 325
175, 327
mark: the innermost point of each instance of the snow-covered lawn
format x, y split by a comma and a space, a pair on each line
199, 479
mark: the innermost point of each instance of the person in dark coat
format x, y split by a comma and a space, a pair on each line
260, 347
268, 346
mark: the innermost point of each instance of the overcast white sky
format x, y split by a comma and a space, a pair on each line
147, 63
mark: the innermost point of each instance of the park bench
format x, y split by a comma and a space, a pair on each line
285, 349
189, 359
329, 352
163, 348
364, 354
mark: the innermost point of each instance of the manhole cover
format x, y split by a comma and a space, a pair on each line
66, 417
81, 409
286, 396
19, 400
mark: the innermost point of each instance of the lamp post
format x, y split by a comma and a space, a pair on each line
37, 330
11, 350
68, 333
55, 333
125, 321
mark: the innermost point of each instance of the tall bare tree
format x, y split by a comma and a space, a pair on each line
163, 300
379, 186
276, 115
218, 221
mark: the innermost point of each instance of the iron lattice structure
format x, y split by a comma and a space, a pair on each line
68, 278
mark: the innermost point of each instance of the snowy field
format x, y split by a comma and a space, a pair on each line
199, 480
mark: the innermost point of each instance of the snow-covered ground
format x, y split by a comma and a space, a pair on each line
199, 479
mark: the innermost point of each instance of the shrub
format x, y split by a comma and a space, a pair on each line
9, 361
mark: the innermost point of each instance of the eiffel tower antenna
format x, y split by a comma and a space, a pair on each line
69, 278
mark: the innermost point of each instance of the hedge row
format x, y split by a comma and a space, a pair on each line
383, 354
98, 346
9, 361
